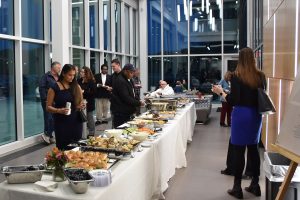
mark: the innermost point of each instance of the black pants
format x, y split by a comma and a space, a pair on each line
230, 160
48, 120
119, 119
239, 160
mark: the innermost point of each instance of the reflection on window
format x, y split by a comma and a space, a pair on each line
7, 92
33, 69
176, 15
134, 36
127, 59
107, 61
204, 72
154, 73
175, 69
127, 31
94, 22
154, 27
32, 19
78, 22
78, 57
106, 25
117, 26
205, 27
119, 57
94, 62
231, 44
6, 16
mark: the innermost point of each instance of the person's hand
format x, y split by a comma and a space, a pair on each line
109, 88
63, 111
142, 103
82, 105
217, 89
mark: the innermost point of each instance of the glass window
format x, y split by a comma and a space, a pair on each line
33, 69
231, 41
107, 60
120, 59
176, 15
94, 62
204, 72
127, 59
154, 73
7, 93
94, 24
33, 19
106, 25
117, 26
154, 27
205, 27
134, 62
134, 36
7, 17
127, 31
78, 22
78, 57
175, 69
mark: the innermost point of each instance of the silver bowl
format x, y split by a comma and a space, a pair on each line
78, 186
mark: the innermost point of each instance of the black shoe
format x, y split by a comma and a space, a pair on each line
97, 122
223, 124
104, 122
226, 172
254, 189
236, 193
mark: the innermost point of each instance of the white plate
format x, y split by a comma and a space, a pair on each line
146, 144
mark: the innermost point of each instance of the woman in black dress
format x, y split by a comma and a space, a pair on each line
67, 127
88, 85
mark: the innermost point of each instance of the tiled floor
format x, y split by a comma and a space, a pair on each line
201, 180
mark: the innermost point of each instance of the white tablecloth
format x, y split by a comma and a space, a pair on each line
143, 177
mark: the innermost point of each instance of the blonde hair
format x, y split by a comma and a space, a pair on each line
246, 69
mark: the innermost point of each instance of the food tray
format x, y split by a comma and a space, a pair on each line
23, 173
84, 147
79, 179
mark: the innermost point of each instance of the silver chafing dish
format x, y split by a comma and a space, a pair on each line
23, 173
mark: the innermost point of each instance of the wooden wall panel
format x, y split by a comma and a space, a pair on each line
270, 6
273, 119
268, 48
285, 40
285, 24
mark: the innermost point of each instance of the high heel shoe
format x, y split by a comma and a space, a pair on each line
254, 189
236, 193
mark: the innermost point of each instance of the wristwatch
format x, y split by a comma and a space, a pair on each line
221, 93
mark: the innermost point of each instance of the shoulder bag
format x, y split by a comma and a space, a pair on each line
265, 103
82, 116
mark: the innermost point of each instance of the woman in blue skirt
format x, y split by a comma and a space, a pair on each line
246, 121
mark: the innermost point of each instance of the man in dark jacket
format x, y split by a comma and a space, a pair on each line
46, 81
116, 67
123, 101
103, 82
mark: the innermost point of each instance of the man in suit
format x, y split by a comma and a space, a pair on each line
103, 82
123, 101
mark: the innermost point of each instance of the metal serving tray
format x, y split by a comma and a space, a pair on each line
23, 173
78, 186
84, 147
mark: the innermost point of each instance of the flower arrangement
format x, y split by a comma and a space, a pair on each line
56, 159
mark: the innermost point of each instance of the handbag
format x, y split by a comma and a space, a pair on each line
265, 103
82, 116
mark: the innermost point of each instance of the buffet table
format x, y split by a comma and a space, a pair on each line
143, 177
